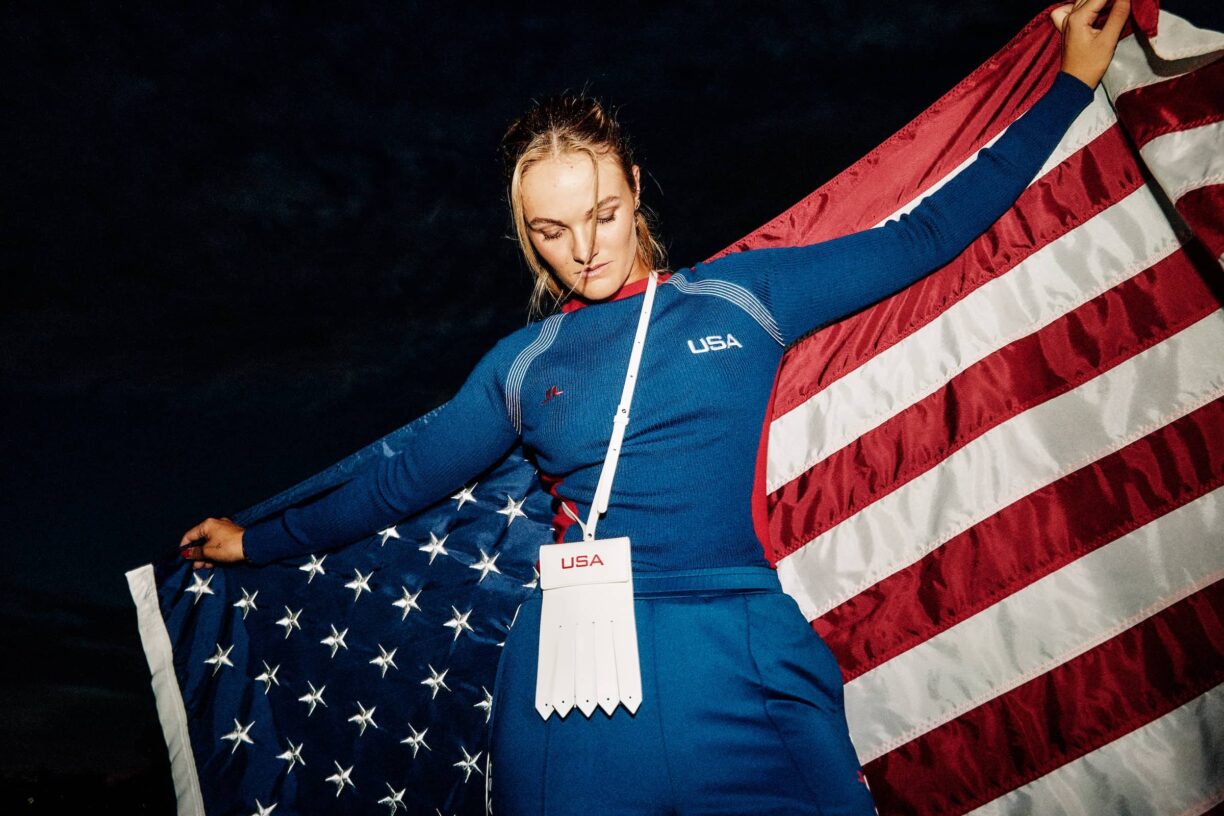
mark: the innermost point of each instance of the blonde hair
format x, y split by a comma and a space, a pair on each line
553, 126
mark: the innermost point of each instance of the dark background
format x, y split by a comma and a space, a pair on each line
242, 240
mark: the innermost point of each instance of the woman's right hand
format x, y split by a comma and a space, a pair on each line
213, 541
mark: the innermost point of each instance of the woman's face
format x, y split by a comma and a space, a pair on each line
557, 197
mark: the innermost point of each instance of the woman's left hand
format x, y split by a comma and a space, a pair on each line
1087, 50
213, 541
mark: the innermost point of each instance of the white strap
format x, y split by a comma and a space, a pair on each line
603, 491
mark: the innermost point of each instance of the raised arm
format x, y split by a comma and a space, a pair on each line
466, 435
806, 287
809, 286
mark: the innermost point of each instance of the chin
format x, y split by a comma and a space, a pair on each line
607, 284
599, 290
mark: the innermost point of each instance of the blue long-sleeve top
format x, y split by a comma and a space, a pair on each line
683, 485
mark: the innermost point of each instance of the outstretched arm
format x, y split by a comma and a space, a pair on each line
465, 436
807, 287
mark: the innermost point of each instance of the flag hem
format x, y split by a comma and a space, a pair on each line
169, 697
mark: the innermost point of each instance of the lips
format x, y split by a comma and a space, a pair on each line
594, 270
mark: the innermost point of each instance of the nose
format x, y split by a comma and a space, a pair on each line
584, 246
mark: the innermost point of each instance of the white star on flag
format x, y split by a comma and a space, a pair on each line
200, 588
268, 677
341, 778
246, 603
486, 703
364, 717
434, 547
290, 621
239, 735
513, 509
465, 495
385, 659
359, 584
396, 800
485, 564
459, 622
435, 681
417, 740
221, 658
408, 602
335, 640
293, 754
314, 567
468, 763
313, 698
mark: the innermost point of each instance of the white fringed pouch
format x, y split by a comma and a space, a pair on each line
588, 638
588, 654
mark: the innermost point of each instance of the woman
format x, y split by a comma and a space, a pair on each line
742, 706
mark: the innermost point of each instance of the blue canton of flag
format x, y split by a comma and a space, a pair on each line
357, 680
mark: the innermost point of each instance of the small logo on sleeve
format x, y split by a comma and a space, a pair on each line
553, 391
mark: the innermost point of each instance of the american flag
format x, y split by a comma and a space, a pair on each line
995, 495
352, 681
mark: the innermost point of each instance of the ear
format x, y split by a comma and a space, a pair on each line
637, 186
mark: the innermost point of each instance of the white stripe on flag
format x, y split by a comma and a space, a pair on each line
1093, 120
1177, 38
1043, 625
1169, 766
1026, 453
1103, 252
1186, 160
159, 653
1130, 69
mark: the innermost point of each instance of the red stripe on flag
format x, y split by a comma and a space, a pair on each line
1089, 701
561, 520
1098, 335
1203, 210
1145, 14
1077, 514
1088, 182
1180, 103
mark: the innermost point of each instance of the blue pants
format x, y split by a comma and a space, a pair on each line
741, 712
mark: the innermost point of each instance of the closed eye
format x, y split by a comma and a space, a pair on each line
556, 235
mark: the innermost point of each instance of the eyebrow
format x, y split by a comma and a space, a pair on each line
541, 220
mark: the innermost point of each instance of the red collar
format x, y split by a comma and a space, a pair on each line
577, 301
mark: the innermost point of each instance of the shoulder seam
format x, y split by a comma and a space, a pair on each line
733, 293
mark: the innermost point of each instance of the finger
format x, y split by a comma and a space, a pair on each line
196, 532
1089, 8
1117, 19
1059, 17
200, 565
